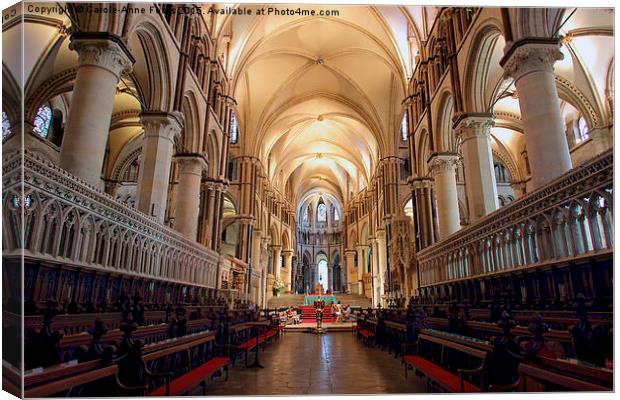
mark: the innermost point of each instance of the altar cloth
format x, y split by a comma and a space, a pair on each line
309, 299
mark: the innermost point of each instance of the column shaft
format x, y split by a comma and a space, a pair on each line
102, 59
474, 132
382, 255
530, 62
188, 192
444, 166
160, 129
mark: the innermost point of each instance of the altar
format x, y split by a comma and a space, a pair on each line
310, 298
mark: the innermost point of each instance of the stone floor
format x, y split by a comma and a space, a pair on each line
304, 363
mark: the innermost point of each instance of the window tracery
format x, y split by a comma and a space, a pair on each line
42, 122
7, 129
234, 129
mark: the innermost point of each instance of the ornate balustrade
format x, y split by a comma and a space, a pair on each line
569, 218
69, 221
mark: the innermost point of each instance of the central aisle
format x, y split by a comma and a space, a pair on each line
303, 363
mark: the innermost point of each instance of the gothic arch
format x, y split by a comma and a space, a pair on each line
445, 140
192, 129
482, 69
151, 73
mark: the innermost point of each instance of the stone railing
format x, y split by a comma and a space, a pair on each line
570, 217
67, 220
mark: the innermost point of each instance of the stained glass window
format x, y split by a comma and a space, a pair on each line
321, 211
336, 215
234, 129
583, 133
42, 121
404, 126
6, 125
306, 215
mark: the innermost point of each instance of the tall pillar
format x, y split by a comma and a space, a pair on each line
423, 212
530, 62
288, 265
209, 192
102, 58
382, 256
257, 238
474, 131
160, 129
350, 263
188, 191
361, 267
277, 252
377, 278
443, 166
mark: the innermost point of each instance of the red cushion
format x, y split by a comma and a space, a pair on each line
440, 375
186, 381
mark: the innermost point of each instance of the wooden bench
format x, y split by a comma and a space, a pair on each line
190, 380
534, 378
434, 369
61, 372
250, 344
366, 335
68, 384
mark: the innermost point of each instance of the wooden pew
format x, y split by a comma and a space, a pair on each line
249, 342
486, 330
194, 377
434, 367
67, 384
149, 334
11, 379
533, 378
588, 373
64, 371
61, 379
367, 330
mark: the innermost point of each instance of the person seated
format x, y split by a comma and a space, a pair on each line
289, 315
346, 313
296, 318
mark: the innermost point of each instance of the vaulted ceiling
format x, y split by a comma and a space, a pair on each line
319, 97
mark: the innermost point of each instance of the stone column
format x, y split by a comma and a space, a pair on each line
474, 131
102, 58
277, 252
350, 263
188, 192
209, 190
288, 258
361, 267
256, 249
443, 166
530, 62
423, 213
160, 129
382, 256
376, 273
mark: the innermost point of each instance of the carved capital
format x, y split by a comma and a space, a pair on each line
444, 163
471, 127
531, 55
191, 164
103, 51
162, 124
421, 183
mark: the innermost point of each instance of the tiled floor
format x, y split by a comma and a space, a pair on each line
304, 363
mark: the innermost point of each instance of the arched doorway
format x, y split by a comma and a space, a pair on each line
323, 274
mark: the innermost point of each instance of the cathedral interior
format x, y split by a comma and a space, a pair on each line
183, 184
